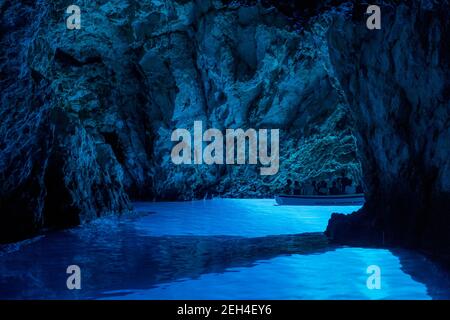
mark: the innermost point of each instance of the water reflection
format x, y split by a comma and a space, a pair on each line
120, 258
114, 258
426, 271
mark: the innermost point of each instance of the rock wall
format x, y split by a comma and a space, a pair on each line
55, 172
87, 114
235, 66
397, 83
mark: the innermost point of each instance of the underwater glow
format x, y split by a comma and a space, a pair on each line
218, 249
234, 217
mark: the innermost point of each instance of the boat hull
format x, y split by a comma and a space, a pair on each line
340, 200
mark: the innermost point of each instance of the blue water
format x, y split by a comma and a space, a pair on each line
217, 249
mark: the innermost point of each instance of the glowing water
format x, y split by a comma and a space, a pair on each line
219, 249
234, 217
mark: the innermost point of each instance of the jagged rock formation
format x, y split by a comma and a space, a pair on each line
55, 172
397, 83
241, 67
87, 114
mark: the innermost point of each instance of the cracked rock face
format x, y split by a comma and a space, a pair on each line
397, 84
87, 114
54, 171
241, 67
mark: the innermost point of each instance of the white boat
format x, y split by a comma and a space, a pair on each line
338, 200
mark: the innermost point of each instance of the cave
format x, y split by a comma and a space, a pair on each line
87, 117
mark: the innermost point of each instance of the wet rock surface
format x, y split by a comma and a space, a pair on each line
87, 114
397, 84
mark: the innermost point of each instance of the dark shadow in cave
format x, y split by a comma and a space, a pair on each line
115, 259
58, 211
424, 270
